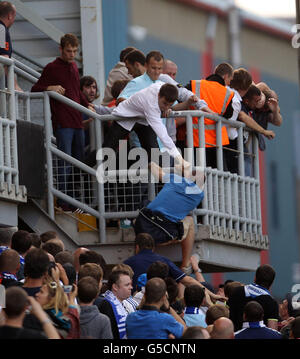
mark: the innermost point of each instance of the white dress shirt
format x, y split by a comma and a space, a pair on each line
145, 104
236, 105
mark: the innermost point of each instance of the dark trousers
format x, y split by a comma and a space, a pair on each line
232, 157
211, 158
70, 141
146, 135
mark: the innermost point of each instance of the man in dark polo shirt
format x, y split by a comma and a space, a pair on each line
62, 76
259, 292
145, 256
7, 18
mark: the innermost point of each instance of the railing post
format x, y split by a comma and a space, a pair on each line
219, 145
190, 139
2, 95
100, 187
13, 132
240, 147
201, 161
257, 185
48, 134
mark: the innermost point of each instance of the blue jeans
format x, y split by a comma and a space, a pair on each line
70, 141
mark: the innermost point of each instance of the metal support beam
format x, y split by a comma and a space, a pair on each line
92, 33
39, 22
298, 31
234, 35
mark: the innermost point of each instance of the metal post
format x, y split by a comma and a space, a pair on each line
256, 176
298, 30
234, 35
100, 188
228, 208
48, 134
190, 139
219, 145
240, 147
210, 197
2, 95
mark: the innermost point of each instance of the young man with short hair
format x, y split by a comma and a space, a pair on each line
149, 322
148, 103
259, 292
93, 324
118, 72
253, 325
119, 288
7, 18
62, 76
193, 299
17, 302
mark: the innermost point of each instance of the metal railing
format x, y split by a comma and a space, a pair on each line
9, 174
231, 201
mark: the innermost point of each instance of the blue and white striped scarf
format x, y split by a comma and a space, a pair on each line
119, 312
7, 275
255, 290
192, 310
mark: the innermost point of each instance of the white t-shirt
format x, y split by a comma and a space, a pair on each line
236, 105
145, 104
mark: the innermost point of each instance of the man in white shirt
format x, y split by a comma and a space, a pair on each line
149, 103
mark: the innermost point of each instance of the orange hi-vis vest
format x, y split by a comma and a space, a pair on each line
217, 98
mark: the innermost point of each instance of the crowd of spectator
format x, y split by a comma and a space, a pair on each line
62, 294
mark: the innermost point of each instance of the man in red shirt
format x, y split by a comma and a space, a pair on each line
62, 76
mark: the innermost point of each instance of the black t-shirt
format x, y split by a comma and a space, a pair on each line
7, 332
238, 300
106, 308
5, 41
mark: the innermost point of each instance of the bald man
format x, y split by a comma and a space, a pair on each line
222, 329
170, 68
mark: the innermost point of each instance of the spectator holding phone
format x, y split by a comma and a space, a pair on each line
17, 303
60, 307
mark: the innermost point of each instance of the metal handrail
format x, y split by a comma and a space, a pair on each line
239, 212
249, 186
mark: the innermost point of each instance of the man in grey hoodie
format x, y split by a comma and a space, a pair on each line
93, 324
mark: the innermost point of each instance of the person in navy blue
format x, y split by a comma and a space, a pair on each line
253, 326
7, 18
166, 217
258, 291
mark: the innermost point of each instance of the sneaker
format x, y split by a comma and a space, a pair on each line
187, 270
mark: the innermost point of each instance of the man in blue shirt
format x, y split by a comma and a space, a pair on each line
166, 217
149, 322
253, 326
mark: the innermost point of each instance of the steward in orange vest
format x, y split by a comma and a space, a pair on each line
219, 99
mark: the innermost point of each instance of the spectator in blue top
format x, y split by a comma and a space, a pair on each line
144, 246
166, 217
149, 322
253, 326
